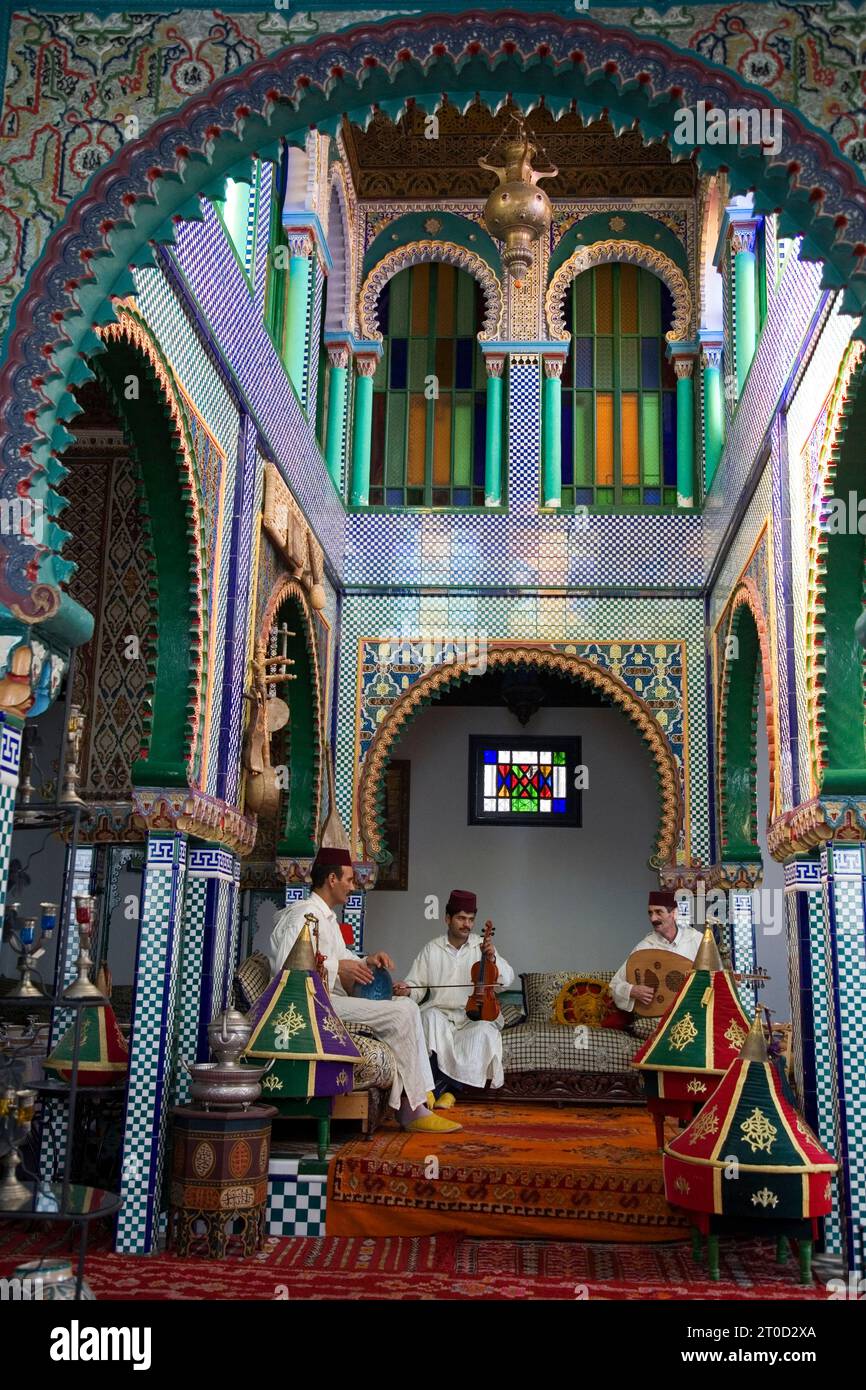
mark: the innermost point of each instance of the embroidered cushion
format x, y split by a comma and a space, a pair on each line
541, 990
586, 999
252, 978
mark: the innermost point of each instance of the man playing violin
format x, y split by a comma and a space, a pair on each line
463, 1052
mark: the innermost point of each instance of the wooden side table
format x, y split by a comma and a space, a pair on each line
219, 1180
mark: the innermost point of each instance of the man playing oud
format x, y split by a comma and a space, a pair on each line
463, 1052
664, 932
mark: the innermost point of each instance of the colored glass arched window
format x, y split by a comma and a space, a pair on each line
619, 427
429, 392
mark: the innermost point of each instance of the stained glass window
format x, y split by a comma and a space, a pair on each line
429, 429
618, 392
524, 782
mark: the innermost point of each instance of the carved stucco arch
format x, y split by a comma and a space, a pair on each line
416, 252
285, 590
131, 331
741, 723
825, 696
341, 243
633, 253
437, 681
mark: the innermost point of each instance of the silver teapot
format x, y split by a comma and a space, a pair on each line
228, 1035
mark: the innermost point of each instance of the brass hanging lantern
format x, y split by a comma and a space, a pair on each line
518, 212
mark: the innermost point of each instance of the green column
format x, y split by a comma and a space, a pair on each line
338, 361
745, 299
714, 415
552, 433
362, 429
493, 451
685, 431
297, 312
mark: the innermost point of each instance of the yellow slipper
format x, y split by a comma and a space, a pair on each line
431, 1100
445, 1101
432, 1124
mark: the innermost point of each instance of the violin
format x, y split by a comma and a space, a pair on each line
482, 1003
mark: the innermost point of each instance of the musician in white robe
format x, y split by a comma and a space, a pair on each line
396, 1021
664, 932
467, 1053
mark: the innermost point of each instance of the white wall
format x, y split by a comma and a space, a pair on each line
560, 898
771, 946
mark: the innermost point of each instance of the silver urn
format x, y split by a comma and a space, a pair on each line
217, 1087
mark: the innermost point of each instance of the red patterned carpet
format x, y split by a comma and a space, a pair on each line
580, 1173
438, 1267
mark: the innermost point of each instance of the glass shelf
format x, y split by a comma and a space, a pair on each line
48, 1001
45, 1202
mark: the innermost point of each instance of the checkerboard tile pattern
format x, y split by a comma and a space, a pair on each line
743, 951
296, 1204
230, 310
823, 1043
191, 964
150, 1062
789, 314
843, 873
10, 758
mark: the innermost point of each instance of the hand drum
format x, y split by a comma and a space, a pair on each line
663, 971
380, 987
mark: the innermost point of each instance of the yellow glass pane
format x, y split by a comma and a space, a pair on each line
604, 299
420, 298
446, 291
417, 441
604, 440
442, 442
628, 298
630, 441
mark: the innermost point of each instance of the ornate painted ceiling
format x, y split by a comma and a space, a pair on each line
400, 159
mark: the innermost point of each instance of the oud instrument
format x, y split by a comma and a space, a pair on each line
664, 973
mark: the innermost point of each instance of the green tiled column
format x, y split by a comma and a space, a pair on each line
745, 298
714, 413
493, 450
362, 429
338, 370
552, 432
298, 311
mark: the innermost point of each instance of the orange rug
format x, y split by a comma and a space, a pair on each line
513, 1170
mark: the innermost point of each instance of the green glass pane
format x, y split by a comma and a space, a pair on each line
461, 464
380, 379
395, 440
417, 363
631, 495
465, 305
604, 496
480, 373
650, 439
650, 303
584, 412
398, 315
567, 497
670, 496
582, 304
629, 363
604, 363
559, 757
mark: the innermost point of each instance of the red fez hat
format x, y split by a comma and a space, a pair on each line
459, 901
660, 897
328, 858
